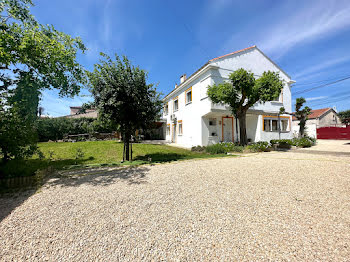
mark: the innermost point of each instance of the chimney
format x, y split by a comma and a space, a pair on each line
182, 78
175, 86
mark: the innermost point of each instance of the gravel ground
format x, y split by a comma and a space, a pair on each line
271, 206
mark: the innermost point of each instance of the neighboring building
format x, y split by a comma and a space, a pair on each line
321, 118
324, 117
74, 113
192, 119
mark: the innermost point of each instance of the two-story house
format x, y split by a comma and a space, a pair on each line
192, 119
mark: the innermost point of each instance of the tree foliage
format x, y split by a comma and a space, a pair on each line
301, 114
58, 128
345, 116
32, 57
122, 95
243, 91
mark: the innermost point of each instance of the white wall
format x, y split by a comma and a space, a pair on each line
310, 130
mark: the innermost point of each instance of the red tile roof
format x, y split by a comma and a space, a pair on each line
233, 53
315, 113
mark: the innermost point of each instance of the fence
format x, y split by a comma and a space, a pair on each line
340, 133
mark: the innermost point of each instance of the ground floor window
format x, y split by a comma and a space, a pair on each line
271, 123
180, 127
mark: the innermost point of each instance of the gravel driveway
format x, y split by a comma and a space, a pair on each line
270, 206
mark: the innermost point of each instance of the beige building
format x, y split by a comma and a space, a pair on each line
321, 118
74, 113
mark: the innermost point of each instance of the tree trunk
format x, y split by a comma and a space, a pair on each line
127, 149
242, 129
302, 127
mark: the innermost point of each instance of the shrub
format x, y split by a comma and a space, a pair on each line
282, 143
304, 142
57, 128
216, 149
261, 146
223, 148
198, 149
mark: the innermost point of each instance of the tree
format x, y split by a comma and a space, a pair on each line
31, 56
301, 114
345, 116
123, 96
17, 132
243, 91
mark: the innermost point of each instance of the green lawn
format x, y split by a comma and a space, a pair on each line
97, 153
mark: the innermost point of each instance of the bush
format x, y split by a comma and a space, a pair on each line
198, 149
282, 143
304, 141
223, 148
261, 146
57, 128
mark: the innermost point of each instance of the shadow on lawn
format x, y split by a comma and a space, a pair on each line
162, 157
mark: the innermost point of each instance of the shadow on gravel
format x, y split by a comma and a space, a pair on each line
162, 157
9, 201
319, 152
99, 177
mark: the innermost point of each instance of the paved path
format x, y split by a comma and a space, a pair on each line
292, 206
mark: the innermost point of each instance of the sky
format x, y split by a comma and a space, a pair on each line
308, 39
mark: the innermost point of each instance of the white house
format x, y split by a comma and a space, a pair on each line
192, 119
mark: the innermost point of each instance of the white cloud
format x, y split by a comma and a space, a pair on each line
309, 99
316, 19
287, 25
321, 66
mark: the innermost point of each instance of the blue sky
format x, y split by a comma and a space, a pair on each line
309, 39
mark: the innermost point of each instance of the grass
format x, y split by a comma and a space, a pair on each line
97, 153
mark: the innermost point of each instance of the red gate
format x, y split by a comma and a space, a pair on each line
333, 133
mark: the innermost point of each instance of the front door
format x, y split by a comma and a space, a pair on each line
227, 129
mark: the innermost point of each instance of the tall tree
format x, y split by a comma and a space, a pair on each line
123, 96
301, 114
34, 56
243, 91
345, 116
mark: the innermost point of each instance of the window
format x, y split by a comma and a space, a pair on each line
180, 127
166, 109
267, 125
271, 123
188, 95
274, 125
284, 125
176, 104
168, 129
212, 121
279, 98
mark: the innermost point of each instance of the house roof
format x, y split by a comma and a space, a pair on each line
235, 52
219, 57
317, 113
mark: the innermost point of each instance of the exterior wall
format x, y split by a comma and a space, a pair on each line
311, 130
329, 119
195, 115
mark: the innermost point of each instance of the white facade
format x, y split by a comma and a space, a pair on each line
195, 120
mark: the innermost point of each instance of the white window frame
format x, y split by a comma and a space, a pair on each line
180, 128
186, 92
176, 99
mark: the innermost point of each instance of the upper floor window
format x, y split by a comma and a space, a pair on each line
166, 109
188, 95
279, 98
176, 104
